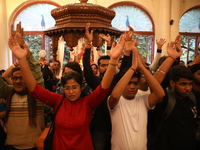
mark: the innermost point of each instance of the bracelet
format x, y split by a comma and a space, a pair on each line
172, 58
112, 64
88, 45
161, 71
108, 47
159, 50
132, 69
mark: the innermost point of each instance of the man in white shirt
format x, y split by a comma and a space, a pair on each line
129, 113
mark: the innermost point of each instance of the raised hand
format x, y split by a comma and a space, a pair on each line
173, 50
18, 34
134, 57
16, 49
116, 49
106, 38
130, 34
178, 41
160, 43
129, 44
89, 35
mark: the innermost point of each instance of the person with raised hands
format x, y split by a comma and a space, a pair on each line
174, 52
74, 115
24, 117
100, 124
129, 113
176, 114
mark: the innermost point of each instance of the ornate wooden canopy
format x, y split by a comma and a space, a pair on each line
71, 20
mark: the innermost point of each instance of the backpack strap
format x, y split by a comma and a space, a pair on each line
170, 104
193, 98
168, 109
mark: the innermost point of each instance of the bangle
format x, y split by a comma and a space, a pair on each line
172, 58
112, 64
132, 69
161, 71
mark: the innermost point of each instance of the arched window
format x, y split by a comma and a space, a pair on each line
128, 13
189, 29
35, 18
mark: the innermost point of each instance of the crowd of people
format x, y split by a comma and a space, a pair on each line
120, 103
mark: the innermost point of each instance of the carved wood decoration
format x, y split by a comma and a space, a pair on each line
71, 20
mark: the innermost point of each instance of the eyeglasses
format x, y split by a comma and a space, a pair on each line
15, 78
73, 88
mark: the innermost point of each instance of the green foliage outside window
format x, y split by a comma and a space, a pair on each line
34, 43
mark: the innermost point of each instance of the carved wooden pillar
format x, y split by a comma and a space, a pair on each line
55, 39
71, 38
97, 41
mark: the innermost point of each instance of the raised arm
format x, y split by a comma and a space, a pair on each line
107, 38
21, 54
130, 41
8, 73
160, 44
92, 80
157, 92
174, 51
114, 57
123, 82
34, 65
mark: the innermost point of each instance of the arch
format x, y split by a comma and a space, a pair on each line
139, 7
26, 4
190, 20
189, 29
142, 24
38, 34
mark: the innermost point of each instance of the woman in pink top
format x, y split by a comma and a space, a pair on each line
73, 118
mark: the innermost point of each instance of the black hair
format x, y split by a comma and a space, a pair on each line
136, 74
15, 69
103, 57
2, 71
72, 75
178, 72
74, 66
57, 61
94, 65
